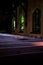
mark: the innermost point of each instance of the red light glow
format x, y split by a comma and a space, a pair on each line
37, 43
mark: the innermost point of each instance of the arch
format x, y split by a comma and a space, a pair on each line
22, 21
21, 18
36, 21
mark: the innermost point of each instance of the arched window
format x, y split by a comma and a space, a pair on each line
13, 24
36, 23
22, 19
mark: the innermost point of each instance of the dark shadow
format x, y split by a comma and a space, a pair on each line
36, 21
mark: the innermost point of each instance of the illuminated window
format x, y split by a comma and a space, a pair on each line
22, 19
13, 24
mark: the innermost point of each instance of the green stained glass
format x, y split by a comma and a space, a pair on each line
22, 19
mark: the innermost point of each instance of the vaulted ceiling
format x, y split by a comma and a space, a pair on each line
6, 4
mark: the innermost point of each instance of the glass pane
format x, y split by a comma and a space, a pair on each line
22, 23
36, 21
14, 24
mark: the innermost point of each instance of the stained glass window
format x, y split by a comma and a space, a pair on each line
36, 21
13, 24
22, 19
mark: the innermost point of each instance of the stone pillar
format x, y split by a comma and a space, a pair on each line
18, 24
42, 19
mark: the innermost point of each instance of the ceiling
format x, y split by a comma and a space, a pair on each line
5, 4
9, 5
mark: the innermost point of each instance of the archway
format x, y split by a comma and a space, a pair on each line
36, 21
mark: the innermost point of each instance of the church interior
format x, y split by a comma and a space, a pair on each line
23, 17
